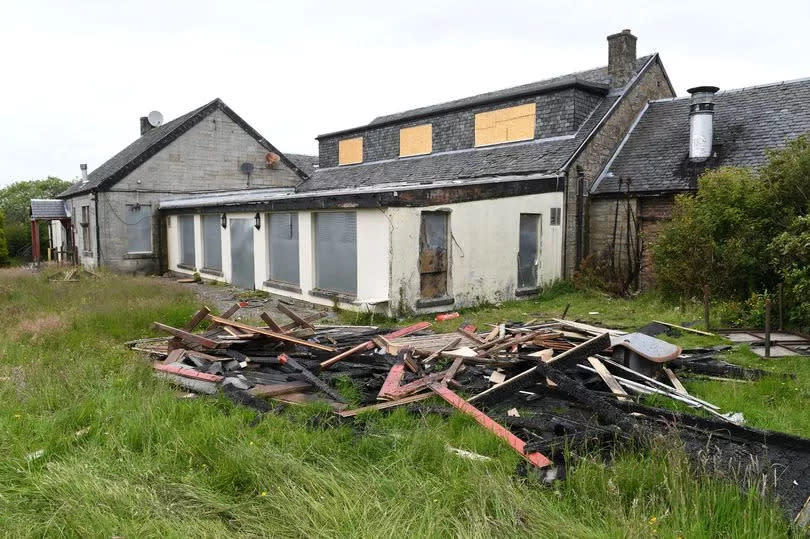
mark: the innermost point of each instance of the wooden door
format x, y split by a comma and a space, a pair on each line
433, 248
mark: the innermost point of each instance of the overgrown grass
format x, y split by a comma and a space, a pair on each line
147, 463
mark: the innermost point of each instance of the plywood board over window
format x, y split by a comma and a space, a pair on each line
416, 140
350, 151
509, 124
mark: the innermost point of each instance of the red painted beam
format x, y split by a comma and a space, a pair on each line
538, 459
393, 379
188, 373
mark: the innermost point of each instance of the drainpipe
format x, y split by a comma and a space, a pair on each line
98, 234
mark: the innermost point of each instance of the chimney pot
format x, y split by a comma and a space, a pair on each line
621, 57
145, 125
701, 122
83, 167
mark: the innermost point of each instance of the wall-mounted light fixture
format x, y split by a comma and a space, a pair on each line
224, 221
257, 221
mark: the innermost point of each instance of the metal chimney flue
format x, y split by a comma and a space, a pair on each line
83, 166
701, 122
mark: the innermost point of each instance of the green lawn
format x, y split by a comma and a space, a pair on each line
147, 463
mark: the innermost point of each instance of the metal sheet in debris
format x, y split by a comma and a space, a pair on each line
776, 351
647, 347
781, 336
742, 337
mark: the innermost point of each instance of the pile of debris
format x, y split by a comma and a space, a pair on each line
541, 386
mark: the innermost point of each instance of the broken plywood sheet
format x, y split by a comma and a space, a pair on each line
649, 348
427, 344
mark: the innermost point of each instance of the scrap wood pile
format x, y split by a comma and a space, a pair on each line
541, 386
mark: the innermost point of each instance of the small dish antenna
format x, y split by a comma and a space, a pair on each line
155, 118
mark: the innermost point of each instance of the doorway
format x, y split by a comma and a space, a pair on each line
433, 255
242, 272
529, 250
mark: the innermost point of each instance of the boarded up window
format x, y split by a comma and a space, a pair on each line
556, 217
85, 224
417, 140
212, 242
350, 151
139, 228
528, 250
336, 252
283, 247
187, 252
505, 125
433, 255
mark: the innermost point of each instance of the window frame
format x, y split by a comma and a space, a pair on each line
487, 116
181, 242
413, 129
555, 217
318, 289
149, 221
346, 142
217, 219
87, 243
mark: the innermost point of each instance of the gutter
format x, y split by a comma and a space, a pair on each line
98, 233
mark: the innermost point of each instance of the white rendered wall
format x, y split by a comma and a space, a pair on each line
484, 240
373, 234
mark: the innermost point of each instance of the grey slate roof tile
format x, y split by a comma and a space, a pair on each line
307, 163
48, 209
747, 122
520, 158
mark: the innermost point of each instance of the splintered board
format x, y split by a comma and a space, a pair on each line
426, 344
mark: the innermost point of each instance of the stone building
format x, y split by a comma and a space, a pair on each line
476, 200
672, 141
113, 211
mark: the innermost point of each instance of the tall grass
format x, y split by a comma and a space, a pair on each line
124, 455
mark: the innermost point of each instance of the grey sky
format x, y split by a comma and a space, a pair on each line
76, 76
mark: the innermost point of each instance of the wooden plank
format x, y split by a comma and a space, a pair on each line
308, 318
594, 330
185, 336
294, 316
802, 519
511, 342
186, 280
451, 372
472, 336
175, 356
312, 378
438, 352
608, 378
384, 405
368, 345
187, 373
271, 323
272, 390
682, 328
536, 458
198, 317
393, 380
571, 357
268, 333
675, 382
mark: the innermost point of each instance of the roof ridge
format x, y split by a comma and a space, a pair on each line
786, 82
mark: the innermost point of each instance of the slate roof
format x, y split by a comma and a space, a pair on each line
596, 78
48, 209
747, 122
518, 158
154, 140
307, 163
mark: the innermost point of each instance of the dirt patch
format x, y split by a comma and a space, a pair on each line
38, 327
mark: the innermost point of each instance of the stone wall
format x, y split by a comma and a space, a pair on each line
655, 212
598, 151
205, 158
558, 113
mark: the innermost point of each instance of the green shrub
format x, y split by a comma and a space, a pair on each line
4, 258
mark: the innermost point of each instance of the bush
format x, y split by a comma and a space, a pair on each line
791, 255
718, 237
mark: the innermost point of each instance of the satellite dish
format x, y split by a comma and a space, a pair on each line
155, 118
246, 168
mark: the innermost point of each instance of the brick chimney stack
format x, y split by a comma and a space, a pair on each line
621, 58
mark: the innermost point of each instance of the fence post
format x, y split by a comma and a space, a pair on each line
768, 327
781, 303
706, 306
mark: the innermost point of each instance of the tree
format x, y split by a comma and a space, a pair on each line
15, 198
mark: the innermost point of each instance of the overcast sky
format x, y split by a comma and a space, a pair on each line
77, 75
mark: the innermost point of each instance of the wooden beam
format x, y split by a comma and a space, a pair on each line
196, 319
675, 382
682, 328
271, 323
294, 317
608, 378
272, 390
368, 345
185, 336
472, 336
384, 405
312, 378
538, 459
439, 352
268, 333
187, 373
393, 380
